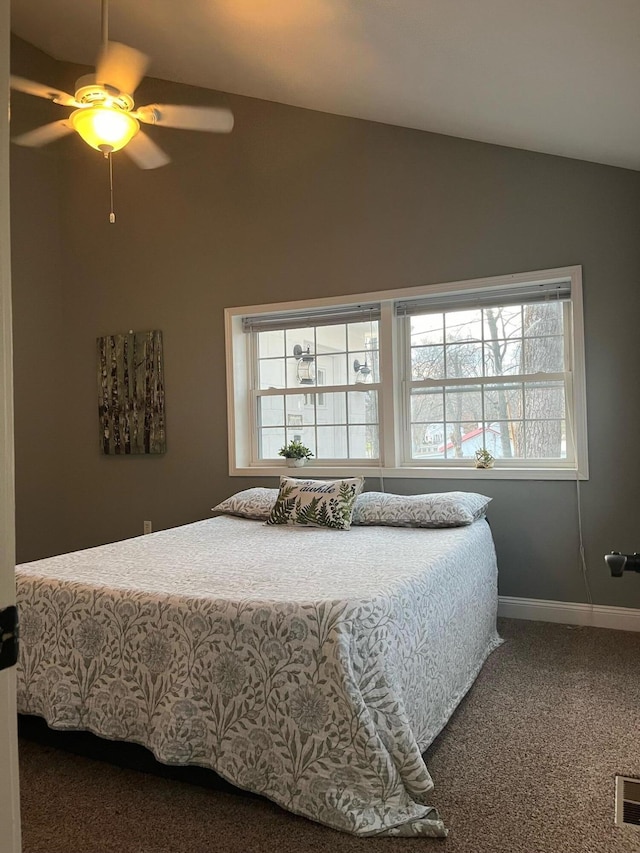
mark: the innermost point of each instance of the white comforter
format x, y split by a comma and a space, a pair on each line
311, 666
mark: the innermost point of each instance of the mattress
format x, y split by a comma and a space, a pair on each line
308, 665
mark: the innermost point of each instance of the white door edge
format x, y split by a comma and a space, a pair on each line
9, 789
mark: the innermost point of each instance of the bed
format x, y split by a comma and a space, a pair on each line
308, 665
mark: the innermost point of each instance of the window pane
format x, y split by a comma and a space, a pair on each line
299, 337
301, 372
495, 438
332, 369
306, 435
427, 405
331, 338
427, 329
333, 409
332, 442
363, 336
300, 409
505, 439
463, 360
503, 402
363, 407
463, 438
462, 403
427, 362
544, 400
502, 358
543, 318
271, 344
271, 440
427, 441
545, 440
463, 325
367, 362
363, 442
272, 373
502, 322
544, 354
271, 411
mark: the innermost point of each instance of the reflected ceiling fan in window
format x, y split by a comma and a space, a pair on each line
104, 114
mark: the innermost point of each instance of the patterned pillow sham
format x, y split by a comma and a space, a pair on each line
447, 509
316, 503
250, 503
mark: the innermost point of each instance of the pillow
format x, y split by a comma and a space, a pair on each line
316, 503
448, 509
251, 503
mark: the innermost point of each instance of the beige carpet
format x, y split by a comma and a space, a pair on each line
525, 765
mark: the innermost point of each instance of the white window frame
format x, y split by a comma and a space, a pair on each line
392, 396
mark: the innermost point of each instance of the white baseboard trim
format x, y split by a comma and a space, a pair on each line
569, 613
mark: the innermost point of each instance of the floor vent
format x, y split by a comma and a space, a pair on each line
627, 801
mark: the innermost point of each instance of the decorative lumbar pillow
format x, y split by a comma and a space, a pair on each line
446, 509
250, 503
316, 503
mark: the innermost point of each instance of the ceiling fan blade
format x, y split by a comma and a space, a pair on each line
145, 153
40, 90
211, 119
45, 134
121, 66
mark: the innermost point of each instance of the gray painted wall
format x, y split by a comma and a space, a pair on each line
297, 204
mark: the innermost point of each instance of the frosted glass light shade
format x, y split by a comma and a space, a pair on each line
104, 128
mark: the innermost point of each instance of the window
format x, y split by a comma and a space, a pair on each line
414, 382
291, 364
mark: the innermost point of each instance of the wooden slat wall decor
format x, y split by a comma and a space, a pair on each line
131, 393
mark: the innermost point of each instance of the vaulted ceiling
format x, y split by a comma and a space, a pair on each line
556, 76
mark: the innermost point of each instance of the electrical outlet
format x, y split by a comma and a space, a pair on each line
147, 527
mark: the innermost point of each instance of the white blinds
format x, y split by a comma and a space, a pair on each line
486, 297
312, 317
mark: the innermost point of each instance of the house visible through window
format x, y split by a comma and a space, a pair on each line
416, 381
291, 365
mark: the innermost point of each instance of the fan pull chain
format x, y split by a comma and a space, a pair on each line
112, 216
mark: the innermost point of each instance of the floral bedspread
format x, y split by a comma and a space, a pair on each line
312, 666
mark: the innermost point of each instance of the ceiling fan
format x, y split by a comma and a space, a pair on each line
104, 114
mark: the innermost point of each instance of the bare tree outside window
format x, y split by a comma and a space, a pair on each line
457, 354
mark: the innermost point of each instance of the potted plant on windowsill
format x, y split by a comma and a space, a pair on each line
483, 458
295, 453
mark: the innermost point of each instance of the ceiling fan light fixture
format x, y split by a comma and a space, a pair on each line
106, 129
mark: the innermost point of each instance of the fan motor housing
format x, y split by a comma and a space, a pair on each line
89, 92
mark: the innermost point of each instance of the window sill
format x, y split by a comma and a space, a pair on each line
467, 472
